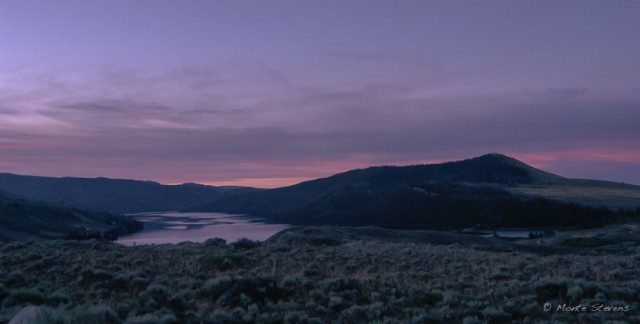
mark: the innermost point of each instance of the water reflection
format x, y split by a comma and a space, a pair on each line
171, 227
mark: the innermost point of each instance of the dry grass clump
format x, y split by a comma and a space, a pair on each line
346, 282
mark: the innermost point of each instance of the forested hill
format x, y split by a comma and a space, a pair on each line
448, 195
22, 219
113, 195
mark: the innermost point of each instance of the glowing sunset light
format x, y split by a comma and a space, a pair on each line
244, 93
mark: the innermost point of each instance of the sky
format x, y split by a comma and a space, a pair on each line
271, 93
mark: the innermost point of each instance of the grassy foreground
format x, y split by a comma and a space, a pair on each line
317, 281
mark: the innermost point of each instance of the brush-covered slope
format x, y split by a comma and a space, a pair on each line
113, 195
449, 195
22, 219
593, 193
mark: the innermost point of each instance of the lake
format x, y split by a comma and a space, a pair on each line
173, 227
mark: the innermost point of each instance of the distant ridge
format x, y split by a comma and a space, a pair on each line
490, 168
492, 189
477, 191
22, 219
113, 195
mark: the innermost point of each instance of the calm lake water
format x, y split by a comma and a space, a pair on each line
172, 227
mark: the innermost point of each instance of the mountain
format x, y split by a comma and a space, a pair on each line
114, 195
485, 191
490, 190
21, 219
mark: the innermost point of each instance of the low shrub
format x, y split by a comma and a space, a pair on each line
179, 302
420, 297
120, 282
225, 262
244, 244
495, 315
324, 241
23, 296
152, 318
59, 297
337, 303
216, 241
14, 278
586, 242
156, 295
90, 276
213, 288
250, 289
361, 314
3, 292
95, 314
551, 290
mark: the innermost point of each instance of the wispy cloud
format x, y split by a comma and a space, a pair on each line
183, 133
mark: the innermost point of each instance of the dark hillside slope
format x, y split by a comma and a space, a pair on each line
491, 168
448, 195
22, 219
113, 195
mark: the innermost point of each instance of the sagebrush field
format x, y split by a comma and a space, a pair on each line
313, 281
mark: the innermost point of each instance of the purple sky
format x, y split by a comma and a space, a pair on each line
268, 93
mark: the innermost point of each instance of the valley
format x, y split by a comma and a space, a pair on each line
427, 243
